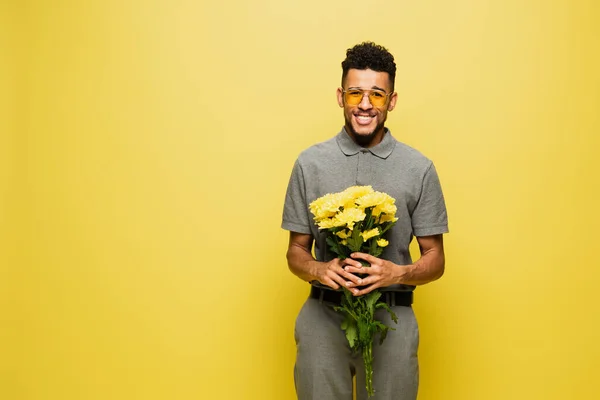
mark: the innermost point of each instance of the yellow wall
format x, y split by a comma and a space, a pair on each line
154, 147
9, 148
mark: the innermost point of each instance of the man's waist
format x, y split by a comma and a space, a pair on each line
391, 298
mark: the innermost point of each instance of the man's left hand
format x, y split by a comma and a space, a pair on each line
381, 273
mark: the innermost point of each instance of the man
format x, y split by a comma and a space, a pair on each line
364, 152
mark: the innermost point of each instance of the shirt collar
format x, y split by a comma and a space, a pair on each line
382, 150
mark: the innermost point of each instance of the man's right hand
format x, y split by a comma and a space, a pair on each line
331, 273
334, 275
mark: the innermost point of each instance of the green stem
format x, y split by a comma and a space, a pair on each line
367, 354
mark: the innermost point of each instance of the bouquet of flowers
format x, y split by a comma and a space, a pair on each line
356, 220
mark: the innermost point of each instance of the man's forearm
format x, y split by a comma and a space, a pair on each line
428, 268
302, 263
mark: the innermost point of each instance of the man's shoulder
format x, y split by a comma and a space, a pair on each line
319, 151
409, 154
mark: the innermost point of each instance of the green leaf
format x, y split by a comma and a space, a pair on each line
386, 226
349, 305
383, 333
333, 245
355, 241
379, 327
347, 321
369, 220
388, 309
364, 334
351, 335
371, 299
372, 245
377, 251
348, 296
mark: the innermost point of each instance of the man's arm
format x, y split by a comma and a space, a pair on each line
429, 267
303, 265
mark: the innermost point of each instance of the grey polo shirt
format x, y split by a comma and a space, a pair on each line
391, 167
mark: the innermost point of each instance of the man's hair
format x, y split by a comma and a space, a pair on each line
369, 55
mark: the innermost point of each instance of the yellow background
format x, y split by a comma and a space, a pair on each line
145, 149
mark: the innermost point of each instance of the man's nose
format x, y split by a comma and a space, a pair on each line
365, 103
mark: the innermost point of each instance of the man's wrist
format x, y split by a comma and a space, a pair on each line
313, 270
403, 273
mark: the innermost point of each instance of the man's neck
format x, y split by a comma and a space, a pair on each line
367, 141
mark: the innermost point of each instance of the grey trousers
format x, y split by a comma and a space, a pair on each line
325, 366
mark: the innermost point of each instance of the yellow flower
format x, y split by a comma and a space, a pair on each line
326, 206
348, 197
349, 217
327, 223
385, 208
387, 218
343, 234
357, 191
344, 242
382, 242
369, 234
375, 199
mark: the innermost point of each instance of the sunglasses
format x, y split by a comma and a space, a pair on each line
377, 98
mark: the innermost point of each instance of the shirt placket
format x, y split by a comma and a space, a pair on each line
362, 168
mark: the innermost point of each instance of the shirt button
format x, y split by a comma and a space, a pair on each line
364, 151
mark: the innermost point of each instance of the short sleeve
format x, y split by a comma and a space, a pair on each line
429, 215
295, 209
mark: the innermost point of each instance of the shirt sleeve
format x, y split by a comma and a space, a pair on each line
429, 216
295, 209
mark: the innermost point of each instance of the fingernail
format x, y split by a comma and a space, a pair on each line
359, 281
347, 283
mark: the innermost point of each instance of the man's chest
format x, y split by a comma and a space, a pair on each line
361, 170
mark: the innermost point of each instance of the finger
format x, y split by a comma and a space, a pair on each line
351, 262
363, 256
338, 269
355, 282
361, 270
369, 280
365, 290
332, 277
336, 278
329, 282
351, 279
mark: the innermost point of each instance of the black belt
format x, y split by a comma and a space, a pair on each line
390, 298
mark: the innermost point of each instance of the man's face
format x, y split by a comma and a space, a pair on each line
365, 121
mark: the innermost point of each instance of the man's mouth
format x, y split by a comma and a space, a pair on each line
363, 119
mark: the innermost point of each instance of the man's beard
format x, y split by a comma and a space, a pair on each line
363, 140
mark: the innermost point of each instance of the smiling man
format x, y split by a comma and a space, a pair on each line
366, 103
364, 152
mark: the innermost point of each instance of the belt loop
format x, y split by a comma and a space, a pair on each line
321, 293
393, 299
388, 300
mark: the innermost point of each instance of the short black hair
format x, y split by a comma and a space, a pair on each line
368, 55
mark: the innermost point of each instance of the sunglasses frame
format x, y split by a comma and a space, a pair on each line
369, 91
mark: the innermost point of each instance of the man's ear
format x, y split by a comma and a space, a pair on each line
340, 97
392, 103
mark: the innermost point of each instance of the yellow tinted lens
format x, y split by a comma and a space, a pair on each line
354, 97
377, 98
